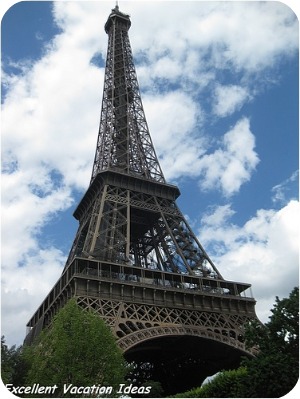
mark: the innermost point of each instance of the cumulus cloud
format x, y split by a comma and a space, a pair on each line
48, 142
27, 205
231, 165
217, 216
229, 99
263, 252
24, 288
174, 120
244, 47
215, 36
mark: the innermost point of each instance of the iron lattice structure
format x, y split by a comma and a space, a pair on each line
135, 260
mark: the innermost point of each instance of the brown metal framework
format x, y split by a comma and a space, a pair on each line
135, 260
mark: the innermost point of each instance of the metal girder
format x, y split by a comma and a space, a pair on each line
142, 228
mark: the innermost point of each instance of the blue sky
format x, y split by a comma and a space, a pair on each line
219, 84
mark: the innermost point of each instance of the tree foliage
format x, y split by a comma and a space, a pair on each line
12, 365
227, 384
79, 349
274, 371
281, 332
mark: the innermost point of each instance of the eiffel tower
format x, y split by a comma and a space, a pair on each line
135, 260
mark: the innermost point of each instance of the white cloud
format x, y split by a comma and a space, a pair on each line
28, 203
246, 47
217, 31
49, 120
174, 120
46, 134
285, 189
218, 215
228, 167
229, 99
263, 252
24, 288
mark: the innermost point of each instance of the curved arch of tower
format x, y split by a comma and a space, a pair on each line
135, 260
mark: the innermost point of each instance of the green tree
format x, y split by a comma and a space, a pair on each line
281, 333
12, 365
274, 371
6, 362
77, 349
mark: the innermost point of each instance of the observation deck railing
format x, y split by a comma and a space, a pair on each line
130, 274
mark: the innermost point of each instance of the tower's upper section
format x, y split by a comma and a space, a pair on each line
116, 14
124, 144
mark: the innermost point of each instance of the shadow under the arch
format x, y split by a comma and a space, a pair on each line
181, 362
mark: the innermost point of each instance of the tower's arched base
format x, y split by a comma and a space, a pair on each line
181, 334
180, 363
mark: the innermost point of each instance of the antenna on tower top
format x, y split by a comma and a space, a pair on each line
117, 5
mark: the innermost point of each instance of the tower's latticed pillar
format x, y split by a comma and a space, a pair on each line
135, 260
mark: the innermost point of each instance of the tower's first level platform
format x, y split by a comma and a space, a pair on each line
151, 287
